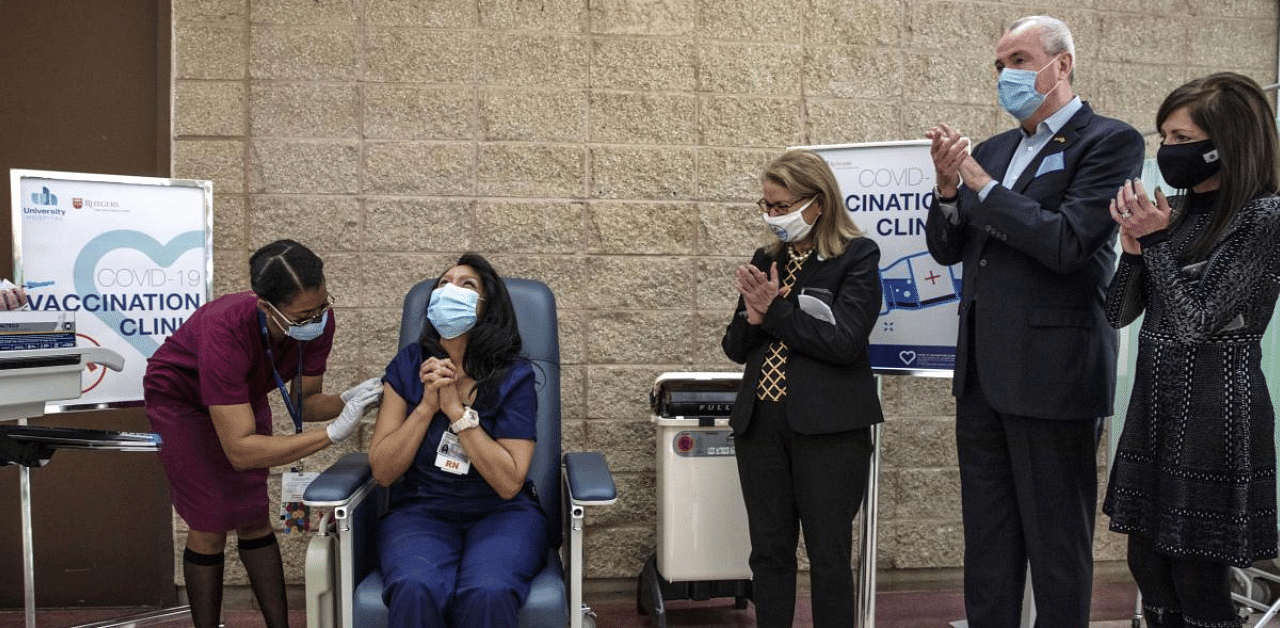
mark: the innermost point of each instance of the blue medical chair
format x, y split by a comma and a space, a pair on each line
343, 582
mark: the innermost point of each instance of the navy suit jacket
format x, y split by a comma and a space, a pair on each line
830, 386
1037, 262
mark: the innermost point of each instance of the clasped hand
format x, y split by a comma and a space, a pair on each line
758, 290
952, 162
1138, 215
440, 385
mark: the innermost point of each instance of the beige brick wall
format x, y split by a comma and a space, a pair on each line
611, 149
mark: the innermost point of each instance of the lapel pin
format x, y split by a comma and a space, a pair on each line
1059, 139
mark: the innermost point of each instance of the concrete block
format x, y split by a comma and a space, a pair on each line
867, 23
652, 65
220, 161
421, 225
323, 223
854, 72
406, 168
535, 60
395, 55
208, 108
567, 276
661, 337
643, 118
455, 14
734, 230
626, 172
617, 552
853, 121
628, 443
558, 16
913, 544
1146, 39
746, 121
342, 274
313, 110
573, 401
636, 503
1235, 44
960, 77
716, 287
304, 167
732, 174
922, 494
229, 222
230, 271
218, 11
210, 51
668, 18
552, 227
382, 335
299, 12
644, 283
909, 396
309, 54
978, 122
954, 27
918, 443
752, 20
573, 336
757, 69
418, 113
527, 115
706, 352
531, 170
385, 278
653, 228
621, 392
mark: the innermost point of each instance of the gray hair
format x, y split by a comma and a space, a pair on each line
1054, 35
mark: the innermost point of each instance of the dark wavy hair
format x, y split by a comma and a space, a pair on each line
282, 269
1236, 114
494, 343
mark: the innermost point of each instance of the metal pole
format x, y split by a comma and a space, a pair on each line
28, 552
866, 592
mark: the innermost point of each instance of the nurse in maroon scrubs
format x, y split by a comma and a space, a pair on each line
206, 391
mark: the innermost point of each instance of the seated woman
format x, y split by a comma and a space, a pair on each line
464, 534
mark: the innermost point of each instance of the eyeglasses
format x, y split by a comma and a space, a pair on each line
324, 307
777, 209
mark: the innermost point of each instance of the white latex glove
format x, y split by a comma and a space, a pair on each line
349, 418
373, 383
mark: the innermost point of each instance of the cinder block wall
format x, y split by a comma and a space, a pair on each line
611, 148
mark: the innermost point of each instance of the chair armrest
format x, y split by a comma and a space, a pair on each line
348, 479
588, 479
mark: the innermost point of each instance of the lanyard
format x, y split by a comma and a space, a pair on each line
293, 405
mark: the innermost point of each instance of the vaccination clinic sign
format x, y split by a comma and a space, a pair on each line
130, 256
887, 189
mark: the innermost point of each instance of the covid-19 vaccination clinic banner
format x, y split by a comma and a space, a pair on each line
887, 189
130, 256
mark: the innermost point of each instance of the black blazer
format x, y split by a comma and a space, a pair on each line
830, 386
1037, 262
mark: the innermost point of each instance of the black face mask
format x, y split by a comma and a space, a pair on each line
1185, 166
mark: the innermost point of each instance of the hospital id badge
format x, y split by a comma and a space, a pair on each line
450, 456
295, 514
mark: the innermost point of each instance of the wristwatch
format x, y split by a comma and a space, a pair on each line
470, 418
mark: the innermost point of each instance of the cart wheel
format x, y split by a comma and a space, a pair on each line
588, 620
1135, 622
740, 603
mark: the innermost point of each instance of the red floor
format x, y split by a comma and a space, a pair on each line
894, 609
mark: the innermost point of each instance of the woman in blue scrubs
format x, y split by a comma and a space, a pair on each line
464, 534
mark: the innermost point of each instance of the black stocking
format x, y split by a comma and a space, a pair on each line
261, 558
203, 573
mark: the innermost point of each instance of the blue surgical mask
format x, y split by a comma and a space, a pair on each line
452, 310
1018, 93
304, 331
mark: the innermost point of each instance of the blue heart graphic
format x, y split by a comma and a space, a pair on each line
163, 254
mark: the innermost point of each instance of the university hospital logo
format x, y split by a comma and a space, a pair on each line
46, 206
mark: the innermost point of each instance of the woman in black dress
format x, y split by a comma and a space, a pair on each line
1193, 482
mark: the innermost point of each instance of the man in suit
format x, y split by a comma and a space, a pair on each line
1027, 215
